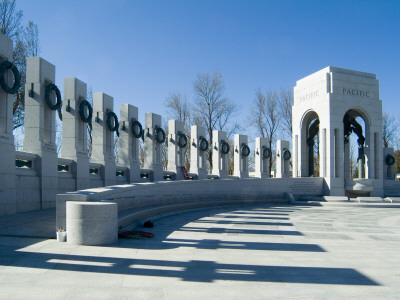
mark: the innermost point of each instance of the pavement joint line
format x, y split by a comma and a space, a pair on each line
28, 236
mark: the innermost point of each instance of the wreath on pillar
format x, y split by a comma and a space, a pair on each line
82, 111
160, 135
4, 67
286, 154
224, 147
203, 144
245, 150
389, 159
137, 129
182, 140
266, 152
110, 117
49, 89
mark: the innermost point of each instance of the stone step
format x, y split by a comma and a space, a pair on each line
336, 198
373, 200
393, 199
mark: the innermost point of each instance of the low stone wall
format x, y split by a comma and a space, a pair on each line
28, 193
150, 197
391, 188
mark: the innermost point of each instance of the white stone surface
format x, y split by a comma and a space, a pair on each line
103, 138
74, 134
261, 163
198, 161
152, 149
282, 165
327, 95
132, 198
240, 162
92, 223
255, 252
128, 155
39, 128
8, 203
388, 170
176, 154
220, 161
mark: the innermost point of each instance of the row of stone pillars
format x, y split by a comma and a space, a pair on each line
40, 152
40, 141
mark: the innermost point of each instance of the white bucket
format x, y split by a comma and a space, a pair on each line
61, 236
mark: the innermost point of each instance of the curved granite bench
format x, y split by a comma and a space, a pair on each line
141, 201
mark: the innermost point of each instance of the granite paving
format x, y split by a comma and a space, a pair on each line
242, 252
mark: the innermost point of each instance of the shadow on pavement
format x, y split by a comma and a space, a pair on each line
195, 270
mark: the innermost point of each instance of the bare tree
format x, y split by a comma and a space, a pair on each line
265, 117
31, 39
26, 43
285, 103
390, 127
10, 18
353, 162
213, 110
178, 108
10, 26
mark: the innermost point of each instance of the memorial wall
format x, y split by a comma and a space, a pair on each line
326, 104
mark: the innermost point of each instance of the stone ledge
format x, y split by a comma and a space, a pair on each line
131, 217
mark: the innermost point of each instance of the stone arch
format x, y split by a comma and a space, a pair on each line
309, 130
351, 126
331, 93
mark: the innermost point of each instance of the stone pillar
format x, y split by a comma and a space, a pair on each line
74, 133
103, 137
152, 148
8, 203
388, 163
283, 156
262, 153
176, 154
347, 169
220, 160
40, 127
241, 162
128, 143
197, 156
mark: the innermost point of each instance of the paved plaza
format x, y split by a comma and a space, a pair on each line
246, 252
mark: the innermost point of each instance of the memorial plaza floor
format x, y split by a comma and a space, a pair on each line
246, 252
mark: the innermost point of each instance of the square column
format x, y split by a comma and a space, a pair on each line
261, 160
197, 156
220, 160
74, 134
176, 154
283, 156
40, 127
152, 148
240, 156
8, 203
128, 143
103, 137
388, 163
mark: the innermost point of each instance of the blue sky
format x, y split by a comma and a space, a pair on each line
140, 51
